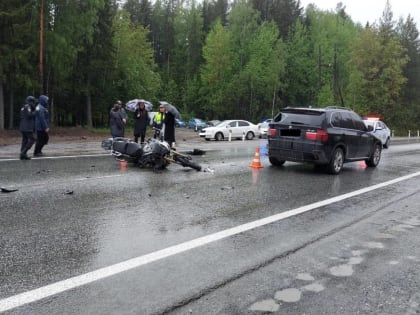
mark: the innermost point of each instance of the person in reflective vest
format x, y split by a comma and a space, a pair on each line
158, 121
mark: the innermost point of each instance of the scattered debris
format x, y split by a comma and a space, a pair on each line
196, 152
227, 188
6, 190
208, 170
43, 171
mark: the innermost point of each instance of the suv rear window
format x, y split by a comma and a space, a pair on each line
301, 117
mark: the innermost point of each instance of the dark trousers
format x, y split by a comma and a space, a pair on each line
41, 140
28, 139
141, 134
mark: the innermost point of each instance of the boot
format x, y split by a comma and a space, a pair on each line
24, 156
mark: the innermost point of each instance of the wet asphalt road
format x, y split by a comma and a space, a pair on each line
355, 254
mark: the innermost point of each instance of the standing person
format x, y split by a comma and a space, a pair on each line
141, 120
27, 126
158, 121
42, 125
169, 133
116, 121
124, 115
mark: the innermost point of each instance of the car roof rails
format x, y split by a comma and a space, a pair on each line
338, 107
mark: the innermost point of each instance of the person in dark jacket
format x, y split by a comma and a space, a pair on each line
141, 120
42, 125
116, 121
27, 126
169, 129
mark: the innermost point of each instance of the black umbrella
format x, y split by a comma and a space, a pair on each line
171, 109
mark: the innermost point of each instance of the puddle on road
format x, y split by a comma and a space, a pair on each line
359, 252
288, 295
377, 245
314, 287
265, 306
342, 270
355, 260
305, 277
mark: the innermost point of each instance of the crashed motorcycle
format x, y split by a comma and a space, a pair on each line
155, 153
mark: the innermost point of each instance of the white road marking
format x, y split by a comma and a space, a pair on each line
58, 157
77, 281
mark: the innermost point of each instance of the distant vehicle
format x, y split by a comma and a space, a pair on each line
197, 124
328, 136
264, 126
237, 129
180, 123
212, 123
380, 130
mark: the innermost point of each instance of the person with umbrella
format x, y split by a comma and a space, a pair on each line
169, 123
141, 120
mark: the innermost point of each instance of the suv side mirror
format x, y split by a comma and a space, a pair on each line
370, 128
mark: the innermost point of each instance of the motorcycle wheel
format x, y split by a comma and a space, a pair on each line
187, 163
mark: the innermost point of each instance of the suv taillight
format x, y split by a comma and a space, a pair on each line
272, 132
318, 135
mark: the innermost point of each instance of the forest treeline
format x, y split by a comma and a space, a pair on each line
214, 59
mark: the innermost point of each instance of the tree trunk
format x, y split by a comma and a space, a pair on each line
89, 110
1, 99
11, 112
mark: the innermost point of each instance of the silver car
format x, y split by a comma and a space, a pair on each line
380, 131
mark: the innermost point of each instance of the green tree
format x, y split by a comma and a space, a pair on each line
136, 69
331, 35
301, 82
377, 76
17, 54
216, 73
409, 36
283, 12
188, 26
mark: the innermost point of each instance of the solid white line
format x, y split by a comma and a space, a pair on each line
71, 283
56, 157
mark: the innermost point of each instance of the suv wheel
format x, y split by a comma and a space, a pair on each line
276, 162
386, 144
373, 161
337, 161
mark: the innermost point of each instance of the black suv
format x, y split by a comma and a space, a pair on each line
328, 136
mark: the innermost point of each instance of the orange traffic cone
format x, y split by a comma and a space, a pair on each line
123, 165
256, 162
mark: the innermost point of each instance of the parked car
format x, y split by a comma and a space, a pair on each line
237, 129
212, 123
180, 123
328, 136
197, 124
380, 130
264, 125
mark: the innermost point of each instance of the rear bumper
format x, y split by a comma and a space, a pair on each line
298, 152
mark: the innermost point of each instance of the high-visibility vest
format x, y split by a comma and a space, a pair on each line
158, 118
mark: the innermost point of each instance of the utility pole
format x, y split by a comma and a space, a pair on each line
41, 46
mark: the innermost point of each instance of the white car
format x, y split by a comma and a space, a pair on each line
235, 129
264, 126
380, 131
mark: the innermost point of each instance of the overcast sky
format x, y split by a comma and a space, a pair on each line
371, 10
